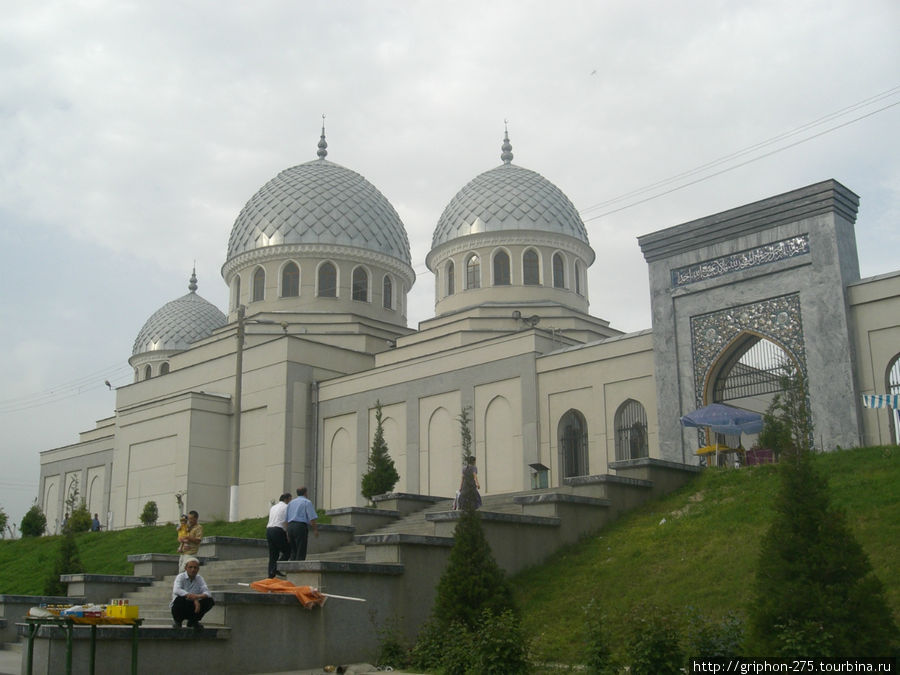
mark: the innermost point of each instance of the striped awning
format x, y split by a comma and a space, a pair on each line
881, 400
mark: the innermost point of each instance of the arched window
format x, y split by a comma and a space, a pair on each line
559, 271
451, 278
531, 271
360, 284
290, 281
578, 277
473, 271
236, 292
501, 268
572, 436
893, 387
259, 285
631, 431
164, 368
327, 281
387, 292
148, 372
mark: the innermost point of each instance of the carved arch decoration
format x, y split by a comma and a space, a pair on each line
714, 334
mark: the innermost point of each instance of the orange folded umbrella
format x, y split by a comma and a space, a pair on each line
308, 596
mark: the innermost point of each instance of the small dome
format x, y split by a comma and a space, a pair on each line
508, 197
179, 323
320, 202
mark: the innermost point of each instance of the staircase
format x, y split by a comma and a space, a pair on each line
392, 556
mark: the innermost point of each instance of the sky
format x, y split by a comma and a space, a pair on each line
132, 134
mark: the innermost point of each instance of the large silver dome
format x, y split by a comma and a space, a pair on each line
508, 197
320, 202
179, 323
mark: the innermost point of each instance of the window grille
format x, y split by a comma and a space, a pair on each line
631, 431
573, 444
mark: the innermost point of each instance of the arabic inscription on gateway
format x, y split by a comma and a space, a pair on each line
735, 262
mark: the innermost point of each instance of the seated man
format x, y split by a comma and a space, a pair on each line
190, 596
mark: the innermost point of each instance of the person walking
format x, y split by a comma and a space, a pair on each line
301, 515
276, 535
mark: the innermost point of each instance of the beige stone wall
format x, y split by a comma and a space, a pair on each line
874, 313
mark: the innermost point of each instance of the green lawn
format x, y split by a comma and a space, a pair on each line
697, 550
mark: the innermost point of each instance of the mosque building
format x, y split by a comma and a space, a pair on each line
232, 409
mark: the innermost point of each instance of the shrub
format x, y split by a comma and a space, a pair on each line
598, 657
150, 514
3, 519
815, 593
80, 520
707, 639
67, 562
428, 651
382, 475
501, 647
34, 523
653, 647
392, 649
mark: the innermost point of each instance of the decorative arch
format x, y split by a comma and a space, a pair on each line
51, 500
94, 499
259, 285
892, 386
440, 468
344, 485
387, 292
450, 275
572, 441
578, 274
164, 368
236, 292
502, 465
290, 280
148, 371
500, 268
360, 284
559, 270
473, 271
631, 431
326, 280
748, 372
531, 267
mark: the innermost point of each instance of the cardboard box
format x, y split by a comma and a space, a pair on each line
122, 611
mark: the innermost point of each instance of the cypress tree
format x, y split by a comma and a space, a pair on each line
382, 475
815, 594
67, 562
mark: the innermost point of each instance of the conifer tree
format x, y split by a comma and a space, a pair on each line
67, 562
34, 522
382, 475
815, 594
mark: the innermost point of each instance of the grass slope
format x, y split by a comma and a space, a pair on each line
698, 548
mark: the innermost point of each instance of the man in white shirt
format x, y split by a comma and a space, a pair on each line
191, 598
276, 535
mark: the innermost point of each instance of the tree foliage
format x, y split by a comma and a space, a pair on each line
815, 593
150, 514
67, 562
34, 523
3, 519
80, 520
382, 475
465, 432
787, 423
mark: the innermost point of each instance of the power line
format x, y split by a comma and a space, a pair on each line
725, 170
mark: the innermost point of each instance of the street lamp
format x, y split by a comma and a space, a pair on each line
234, 473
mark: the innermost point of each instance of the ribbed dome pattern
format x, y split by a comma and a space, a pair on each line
320, 202
178, 324
509, 198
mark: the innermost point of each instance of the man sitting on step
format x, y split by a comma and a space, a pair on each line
190, 596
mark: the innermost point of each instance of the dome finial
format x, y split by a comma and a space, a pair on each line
192, 285
506, 155
322, 153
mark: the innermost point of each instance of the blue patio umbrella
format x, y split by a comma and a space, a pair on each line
723, 419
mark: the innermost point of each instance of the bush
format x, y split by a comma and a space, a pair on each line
598, 657
150, 514
3, 519
653, 647
80, 520
382, 475
501, 647
428, 652
392, 649
707, 639
67, 562
34, 523
815, 593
